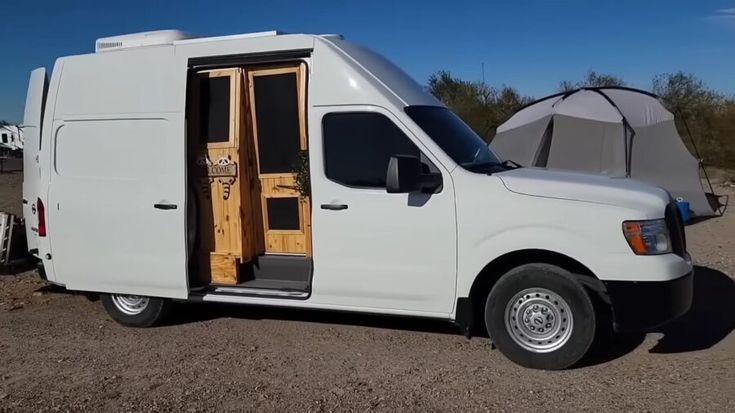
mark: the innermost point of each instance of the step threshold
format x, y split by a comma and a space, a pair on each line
259, 292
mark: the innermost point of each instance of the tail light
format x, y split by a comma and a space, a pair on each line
41, 212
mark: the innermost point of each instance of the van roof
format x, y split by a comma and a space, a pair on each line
173, 37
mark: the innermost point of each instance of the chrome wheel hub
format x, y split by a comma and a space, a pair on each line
130, 304
538, 320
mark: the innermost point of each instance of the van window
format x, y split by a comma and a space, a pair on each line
358, 147
455, 138
5, 138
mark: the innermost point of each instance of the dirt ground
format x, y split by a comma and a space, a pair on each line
11, 181
61, 352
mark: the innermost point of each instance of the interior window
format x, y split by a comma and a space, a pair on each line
283, 213
358, 147
214, 109
277, 117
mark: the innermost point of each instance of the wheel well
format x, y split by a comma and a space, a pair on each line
492, 272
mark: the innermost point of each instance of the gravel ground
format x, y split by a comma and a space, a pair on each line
60, 351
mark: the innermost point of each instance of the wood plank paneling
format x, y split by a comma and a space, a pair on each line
274, 185
232, 206
225, 268
223, 192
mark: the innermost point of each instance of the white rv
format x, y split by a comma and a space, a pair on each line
305, 171
11, 137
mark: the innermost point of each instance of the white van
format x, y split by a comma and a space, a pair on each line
305, 171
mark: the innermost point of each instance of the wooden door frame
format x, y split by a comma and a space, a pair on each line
221, 251
299, 69
235, 105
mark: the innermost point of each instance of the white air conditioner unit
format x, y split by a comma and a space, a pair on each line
143, 39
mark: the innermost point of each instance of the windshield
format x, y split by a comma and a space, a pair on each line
455, 138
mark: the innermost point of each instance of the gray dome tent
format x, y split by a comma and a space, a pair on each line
615, 131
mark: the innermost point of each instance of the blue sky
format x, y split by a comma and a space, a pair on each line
531, 45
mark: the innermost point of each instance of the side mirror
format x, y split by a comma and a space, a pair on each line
404, 175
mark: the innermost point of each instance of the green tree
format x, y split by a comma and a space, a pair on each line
701, 111
592, 79
482, 107
685, 92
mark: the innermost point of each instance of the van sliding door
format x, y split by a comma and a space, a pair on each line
116, 206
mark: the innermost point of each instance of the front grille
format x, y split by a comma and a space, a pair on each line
676, 229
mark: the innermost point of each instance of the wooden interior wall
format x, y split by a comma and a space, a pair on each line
255, 211
231, 193
252, 244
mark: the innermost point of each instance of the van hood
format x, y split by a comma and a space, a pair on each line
622, 192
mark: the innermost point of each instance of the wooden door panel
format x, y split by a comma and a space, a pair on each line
225, 229
277, 113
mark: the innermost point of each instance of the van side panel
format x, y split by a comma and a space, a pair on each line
116, 150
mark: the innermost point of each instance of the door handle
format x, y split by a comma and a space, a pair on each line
334, 207
165, 206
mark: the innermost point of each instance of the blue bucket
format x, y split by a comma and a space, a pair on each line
684, 209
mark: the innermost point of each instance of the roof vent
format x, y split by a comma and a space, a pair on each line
133, 40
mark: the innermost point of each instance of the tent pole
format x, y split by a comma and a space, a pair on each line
686, 126
628, 146
630, 154
701, 160
696, 151
627, 152
626, 127
542, 152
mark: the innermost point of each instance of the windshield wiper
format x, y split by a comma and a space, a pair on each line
511, 164
505, 165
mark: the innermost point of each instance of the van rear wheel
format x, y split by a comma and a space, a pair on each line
136, 310
540, 316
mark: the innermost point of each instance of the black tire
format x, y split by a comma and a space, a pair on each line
153, 312
570, 340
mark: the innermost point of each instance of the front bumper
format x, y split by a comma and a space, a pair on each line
645, 305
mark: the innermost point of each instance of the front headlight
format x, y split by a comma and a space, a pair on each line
647, 237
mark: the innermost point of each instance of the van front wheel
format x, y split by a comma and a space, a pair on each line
540, 316
136, 310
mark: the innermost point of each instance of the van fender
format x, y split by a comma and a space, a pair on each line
473, 259
528, 245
